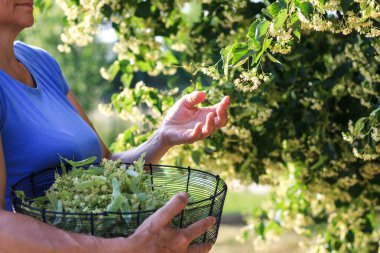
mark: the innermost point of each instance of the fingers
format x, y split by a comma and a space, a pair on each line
222, 112
165, 214
193, 98
200, 132
200, 248
199, 227
196, 133
209, 127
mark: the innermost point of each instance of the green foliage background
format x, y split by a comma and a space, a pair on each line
305, 112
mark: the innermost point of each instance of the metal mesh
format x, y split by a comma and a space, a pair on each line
207, 190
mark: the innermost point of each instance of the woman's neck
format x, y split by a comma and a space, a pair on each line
7, 56
9, 64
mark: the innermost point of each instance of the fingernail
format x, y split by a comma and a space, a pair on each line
213, 221
183, 195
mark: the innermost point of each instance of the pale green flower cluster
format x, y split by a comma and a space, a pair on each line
211, 71
110, 186
361, 21
251, 80
313, 103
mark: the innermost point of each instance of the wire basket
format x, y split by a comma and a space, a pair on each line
207, 190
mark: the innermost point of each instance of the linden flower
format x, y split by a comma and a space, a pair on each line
211, 72
370, 170
375, 134
105, 109
250, 80
64, 48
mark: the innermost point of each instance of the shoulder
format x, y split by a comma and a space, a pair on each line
35, 54
29, 51
43, 61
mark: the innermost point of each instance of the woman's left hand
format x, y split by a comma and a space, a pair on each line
186, 123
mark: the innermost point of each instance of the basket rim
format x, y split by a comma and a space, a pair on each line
44, 211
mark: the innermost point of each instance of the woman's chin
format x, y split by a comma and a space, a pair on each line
26, 23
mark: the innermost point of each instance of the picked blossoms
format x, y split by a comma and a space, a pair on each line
110, 186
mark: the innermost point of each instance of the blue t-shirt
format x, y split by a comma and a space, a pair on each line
39, 124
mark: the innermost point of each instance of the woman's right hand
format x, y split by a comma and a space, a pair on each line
156, 235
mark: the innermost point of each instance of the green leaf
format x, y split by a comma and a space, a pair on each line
359, 125
117, 198
59, 209
267, 13
226, 57
64, 169
295, 21
114, 69
271, 57
144, 65
169, 57
297, 3
266, 44
252, 29
245, 58
115, 204
139, 164
20, 194
196, 156
65, 195
374, 112
84, 185
322, 2
115, 187
84, 162
273, 9
241, 53
261, 29
255, 44
307, 9
280, 20
238, 50
106, 10
125, 208
367, 13
363, 5
297, 33
126, 79
52, 196
322, 160
142, 196
345, 4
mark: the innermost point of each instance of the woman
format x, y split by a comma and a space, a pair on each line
41, 119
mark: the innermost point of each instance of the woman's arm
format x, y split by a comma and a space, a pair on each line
154, 147
184, 123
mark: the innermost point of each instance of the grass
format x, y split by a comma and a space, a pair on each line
243, 202
227, 243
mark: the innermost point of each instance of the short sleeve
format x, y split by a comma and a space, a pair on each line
45, 61
61, 80
2, 110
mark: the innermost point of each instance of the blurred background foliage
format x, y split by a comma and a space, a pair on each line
303, 77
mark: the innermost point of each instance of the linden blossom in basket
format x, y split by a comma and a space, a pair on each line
112, 199
110, 186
